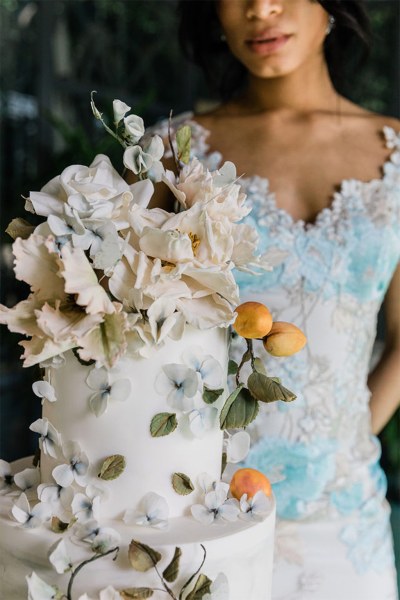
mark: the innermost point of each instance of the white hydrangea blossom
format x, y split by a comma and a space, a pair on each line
30, 517
75, 469
217, 506
179, 384
153, 511
105, 391
50, 438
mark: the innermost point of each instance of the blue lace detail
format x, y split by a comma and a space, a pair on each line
305, 471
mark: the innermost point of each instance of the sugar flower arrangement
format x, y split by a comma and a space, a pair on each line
107, 274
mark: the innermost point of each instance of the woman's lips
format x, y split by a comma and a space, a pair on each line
266, 46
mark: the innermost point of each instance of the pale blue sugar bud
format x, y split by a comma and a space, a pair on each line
134, 128
120, 109
155, 147
136, 160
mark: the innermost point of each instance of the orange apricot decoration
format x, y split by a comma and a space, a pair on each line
284, 339
249, 481
253, 320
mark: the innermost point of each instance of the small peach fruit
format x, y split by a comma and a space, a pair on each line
253, 320
249, 481
284, 339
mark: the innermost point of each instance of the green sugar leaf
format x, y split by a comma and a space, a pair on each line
20, 228
182, 484
232, 367
259, 366
183, 139
210, 396
170, 573
142, 557
201, 587
112, 467
135, 593
163, 424
239, 410
266, 389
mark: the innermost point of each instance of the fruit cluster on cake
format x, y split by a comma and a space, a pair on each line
128, 315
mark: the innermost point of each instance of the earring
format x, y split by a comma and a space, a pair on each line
222, 37
331, 24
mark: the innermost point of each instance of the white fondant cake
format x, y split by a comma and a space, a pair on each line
242, 550
124, 428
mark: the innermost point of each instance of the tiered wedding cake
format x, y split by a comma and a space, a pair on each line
128, 315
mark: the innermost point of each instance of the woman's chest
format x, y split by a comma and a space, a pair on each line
304, 169
352, 248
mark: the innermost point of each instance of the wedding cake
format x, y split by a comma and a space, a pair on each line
128, 315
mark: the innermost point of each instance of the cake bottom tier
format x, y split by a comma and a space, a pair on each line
242, 550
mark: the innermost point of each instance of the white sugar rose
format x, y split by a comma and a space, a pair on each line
94, 192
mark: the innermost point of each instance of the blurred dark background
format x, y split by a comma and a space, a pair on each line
53, 53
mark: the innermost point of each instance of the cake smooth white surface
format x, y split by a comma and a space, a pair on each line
242, 550
124, 428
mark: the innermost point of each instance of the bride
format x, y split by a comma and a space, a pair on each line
323, 178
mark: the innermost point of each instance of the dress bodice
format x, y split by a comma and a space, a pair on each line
329, 279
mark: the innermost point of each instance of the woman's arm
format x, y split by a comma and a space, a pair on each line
384, 381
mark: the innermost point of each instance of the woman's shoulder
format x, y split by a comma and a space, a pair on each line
359, 119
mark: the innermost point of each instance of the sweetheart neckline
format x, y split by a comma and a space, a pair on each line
335, 198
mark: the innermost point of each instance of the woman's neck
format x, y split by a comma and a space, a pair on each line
308, 89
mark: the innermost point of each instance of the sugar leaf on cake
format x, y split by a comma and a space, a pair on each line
112, 467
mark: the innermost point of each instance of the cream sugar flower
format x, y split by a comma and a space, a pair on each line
107, 274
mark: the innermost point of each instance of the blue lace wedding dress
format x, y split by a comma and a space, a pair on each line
333, 538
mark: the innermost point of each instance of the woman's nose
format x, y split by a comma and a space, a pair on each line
262, 9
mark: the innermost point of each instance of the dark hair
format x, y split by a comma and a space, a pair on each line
346, 47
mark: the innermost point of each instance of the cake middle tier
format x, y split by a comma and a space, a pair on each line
171, 381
